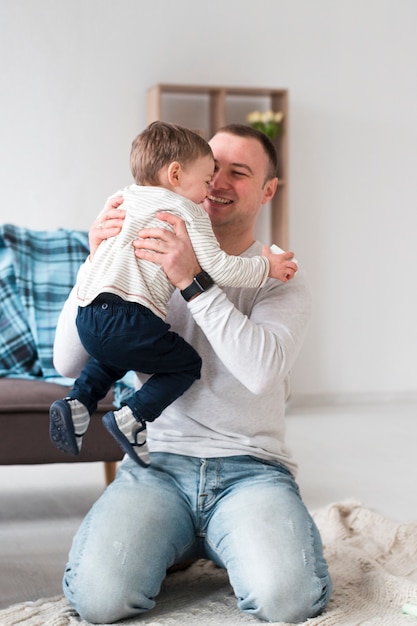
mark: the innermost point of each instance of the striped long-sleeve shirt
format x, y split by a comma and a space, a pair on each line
115, 269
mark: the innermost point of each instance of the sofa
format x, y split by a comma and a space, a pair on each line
37, 272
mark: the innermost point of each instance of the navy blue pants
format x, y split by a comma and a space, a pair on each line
121, 336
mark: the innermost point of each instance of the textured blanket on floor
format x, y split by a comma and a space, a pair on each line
372, 560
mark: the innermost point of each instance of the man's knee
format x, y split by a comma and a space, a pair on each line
104, 608
288, 604
99, 601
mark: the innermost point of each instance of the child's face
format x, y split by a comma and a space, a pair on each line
195, 179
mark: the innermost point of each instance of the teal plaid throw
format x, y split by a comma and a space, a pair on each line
37, 271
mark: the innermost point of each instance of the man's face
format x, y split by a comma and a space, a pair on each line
238, 189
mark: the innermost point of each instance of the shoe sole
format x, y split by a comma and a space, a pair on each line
110, 423
61, 428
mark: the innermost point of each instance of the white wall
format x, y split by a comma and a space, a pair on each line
73, 85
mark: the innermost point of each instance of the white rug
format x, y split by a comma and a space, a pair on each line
373, 563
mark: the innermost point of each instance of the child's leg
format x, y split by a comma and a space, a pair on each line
70, 417
125, 336
176, 365
94, 382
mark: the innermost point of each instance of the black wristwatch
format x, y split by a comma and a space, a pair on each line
201, 282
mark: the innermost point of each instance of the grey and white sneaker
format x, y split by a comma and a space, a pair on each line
129, 433
68, 422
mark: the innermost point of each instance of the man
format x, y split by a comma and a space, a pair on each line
221, 484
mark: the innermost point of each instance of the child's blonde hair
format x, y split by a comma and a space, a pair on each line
159, 145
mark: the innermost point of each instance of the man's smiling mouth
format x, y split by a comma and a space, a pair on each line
219, 200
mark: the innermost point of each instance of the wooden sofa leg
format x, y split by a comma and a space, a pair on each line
110, 468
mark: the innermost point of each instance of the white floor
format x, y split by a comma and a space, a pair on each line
362, 452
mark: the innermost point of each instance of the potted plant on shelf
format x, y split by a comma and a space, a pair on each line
269, 122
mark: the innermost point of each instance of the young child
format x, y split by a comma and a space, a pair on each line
123, 300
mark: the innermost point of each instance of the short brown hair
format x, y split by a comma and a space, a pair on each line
159, 145
242, 130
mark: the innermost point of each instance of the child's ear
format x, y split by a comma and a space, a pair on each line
174, 173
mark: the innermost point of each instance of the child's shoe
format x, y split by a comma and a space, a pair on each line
68, 422
129, 434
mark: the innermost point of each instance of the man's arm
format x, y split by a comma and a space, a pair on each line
257, 337
69, 354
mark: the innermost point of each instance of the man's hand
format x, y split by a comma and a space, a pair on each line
171, 250
108, 224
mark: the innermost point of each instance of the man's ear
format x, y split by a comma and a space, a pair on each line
174, 173
269, 189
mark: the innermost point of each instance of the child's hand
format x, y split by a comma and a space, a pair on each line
281, 266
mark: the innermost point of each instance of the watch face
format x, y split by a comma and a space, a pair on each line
201, 282
204, 280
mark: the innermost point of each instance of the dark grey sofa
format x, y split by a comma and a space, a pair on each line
24, 427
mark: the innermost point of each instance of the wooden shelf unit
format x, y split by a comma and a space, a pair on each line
218, 112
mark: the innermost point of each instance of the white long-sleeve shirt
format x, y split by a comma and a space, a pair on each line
115, 269
248, 340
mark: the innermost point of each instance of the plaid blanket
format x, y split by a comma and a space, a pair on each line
37, 272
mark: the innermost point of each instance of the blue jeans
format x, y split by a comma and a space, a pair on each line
122, 336
243, 513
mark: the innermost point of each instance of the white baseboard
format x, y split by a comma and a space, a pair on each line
351, 399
